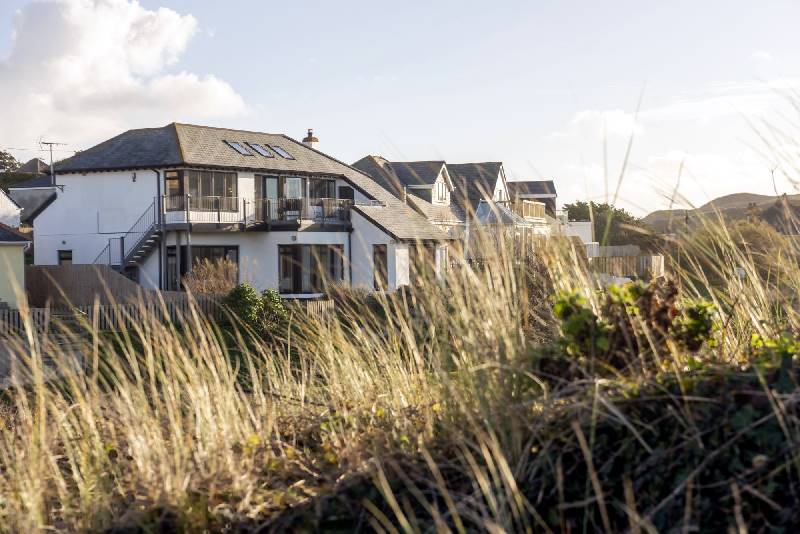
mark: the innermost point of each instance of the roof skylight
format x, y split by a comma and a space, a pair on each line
238, 147
261, 149
281, 152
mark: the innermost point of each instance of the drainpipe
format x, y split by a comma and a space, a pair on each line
159, 222
350, 254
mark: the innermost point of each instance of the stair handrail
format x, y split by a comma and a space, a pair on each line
146, 222
143, 226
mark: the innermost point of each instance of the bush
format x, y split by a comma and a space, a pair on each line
218, 276
265, 314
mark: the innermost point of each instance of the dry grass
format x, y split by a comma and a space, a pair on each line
442, 408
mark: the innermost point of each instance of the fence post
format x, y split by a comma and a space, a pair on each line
219, 201
188, 199
122, 251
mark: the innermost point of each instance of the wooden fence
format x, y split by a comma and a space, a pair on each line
126, 316
109, 317
13, 322
117, 317
646, 267
318, 308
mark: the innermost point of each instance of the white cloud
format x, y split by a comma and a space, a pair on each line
762, 55
597, 124
83, 70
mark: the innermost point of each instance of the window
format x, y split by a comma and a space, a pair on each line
238, 147
346, 192
281, 152
65, 257
381, 267
208, 188
199, 253
307, 268
321, 188
292, 187
173, 189
441, 192
261, 149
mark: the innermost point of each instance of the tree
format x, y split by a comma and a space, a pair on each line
612, 225
8, 163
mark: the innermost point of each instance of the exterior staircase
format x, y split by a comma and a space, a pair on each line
128, 250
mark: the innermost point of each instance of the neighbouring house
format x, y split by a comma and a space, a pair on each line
453, 197
34, 166
32, 196
9, 211
538, 200
151, 202
424, 185
12, 266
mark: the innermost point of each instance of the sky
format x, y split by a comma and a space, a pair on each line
679, 94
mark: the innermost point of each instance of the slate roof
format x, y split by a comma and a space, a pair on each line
179, 144
473, 182
32, 201
531, 187
417, 172
9, 235
34, 166
42, 180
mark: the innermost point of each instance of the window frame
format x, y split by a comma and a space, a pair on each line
239, 147
62, 260
319, 269
380, 275
260, 149
279, 150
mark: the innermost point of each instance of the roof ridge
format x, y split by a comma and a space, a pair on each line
226, 129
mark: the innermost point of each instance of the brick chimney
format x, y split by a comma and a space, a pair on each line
310, 141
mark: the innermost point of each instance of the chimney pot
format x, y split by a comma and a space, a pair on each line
310, 141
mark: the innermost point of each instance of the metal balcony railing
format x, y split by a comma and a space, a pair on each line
321, 210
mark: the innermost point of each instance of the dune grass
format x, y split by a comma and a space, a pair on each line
518, 396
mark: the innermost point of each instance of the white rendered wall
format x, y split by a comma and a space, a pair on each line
581, 229
88, 211
9, 212
258, 253
364, 236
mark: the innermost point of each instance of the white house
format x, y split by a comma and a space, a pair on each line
152, 202
9, 211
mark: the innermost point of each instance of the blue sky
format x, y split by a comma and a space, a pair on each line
537, 85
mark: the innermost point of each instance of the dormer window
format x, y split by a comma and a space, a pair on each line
238, 147
441, 192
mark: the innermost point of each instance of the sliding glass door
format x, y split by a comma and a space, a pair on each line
308, 268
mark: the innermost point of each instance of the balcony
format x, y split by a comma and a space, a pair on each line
256, 214
529, 209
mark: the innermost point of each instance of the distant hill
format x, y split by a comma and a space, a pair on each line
731, 207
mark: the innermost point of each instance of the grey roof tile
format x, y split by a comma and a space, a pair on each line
473, 182
531, 187
9, 235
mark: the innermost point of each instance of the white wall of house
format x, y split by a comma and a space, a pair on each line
364, 236
258, 253
582, 229
90, 209
9, 211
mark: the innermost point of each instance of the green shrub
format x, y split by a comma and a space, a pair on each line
265, 314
